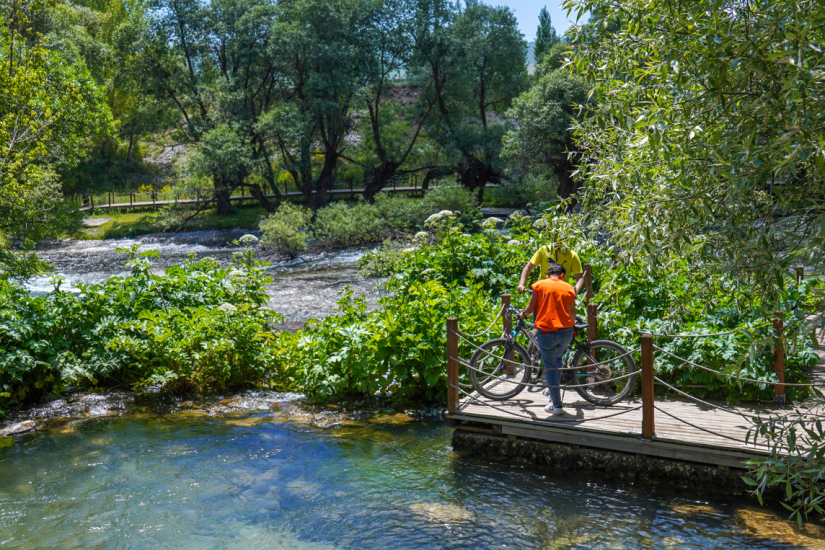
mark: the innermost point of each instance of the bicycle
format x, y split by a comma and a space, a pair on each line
599, 370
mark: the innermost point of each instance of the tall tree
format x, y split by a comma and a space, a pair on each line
543, 141
708, 137
474, 62
546, 36
319, 52
48, 110
211, 63
394, 127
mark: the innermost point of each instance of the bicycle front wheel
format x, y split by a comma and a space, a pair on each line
500, 369
603, 384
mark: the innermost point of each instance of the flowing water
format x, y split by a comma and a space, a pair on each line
264, 470
303, 288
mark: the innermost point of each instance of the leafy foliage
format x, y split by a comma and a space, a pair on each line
542, 144
706, 140
48, 109
284, 230
340, 225
197, 327
797, 462
396, 350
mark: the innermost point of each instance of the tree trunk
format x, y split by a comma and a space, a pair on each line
223, 201
568, 186
475, 175
381, 176
260, 196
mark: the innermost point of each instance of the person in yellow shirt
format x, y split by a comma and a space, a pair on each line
554, 253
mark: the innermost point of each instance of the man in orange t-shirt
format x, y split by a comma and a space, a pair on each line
555, 303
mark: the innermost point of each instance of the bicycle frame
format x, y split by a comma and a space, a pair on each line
522, 327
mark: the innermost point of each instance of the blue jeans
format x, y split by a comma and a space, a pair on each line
552, 345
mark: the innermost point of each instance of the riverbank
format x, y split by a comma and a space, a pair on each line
121, 224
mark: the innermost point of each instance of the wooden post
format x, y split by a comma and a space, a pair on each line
779, 362
154, 194
507, 323
800, 274
83, 199
351, 190
592, 326
452, 364
588, 282
592, 322
131, 198
92, 202
648, 429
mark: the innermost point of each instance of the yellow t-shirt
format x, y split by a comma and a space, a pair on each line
564, 256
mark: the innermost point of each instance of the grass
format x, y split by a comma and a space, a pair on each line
133, 223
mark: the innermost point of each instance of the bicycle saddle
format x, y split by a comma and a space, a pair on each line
580, 325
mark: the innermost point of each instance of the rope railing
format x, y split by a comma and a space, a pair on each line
696, 399
530, 385
692, 425
727, 375
694, 335
647, 372
486, 330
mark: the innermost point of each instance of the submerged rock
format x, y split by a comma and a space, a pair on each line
19, 428
767, 525
442, 513
399, 418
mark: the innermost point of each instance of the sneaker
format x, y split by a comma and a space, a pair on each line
546, 392
555, 410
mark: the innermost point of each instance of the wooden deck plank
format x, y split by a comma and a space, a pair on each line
685, 430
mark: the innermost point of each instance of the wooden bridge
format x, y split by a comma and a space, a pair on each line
678, 427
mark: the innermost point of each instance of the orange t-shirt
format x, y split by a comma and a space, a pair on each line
553, 299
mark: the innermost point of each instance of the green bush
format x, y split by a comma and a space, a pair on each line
283, 230
196, 327
397, 350
406, 213
448, 194
340, 225
400, 211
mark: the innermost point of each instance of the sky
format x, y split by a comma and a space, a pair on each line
527, 13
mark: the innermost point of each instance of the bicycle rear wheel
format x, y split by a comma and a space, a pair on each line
602, 385
490, 376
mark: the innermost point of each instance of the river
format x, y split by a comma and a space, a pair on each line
266, 470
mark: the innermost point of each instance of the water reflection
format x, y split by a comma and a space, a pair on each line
267, 479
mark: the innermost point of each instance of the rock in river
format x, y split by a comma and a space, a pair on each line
19, 428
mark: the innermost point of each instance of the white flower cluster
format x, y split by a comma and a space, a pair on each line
235, 274
248, 239
491, 223
422, 236
542, 223
441, 218
227, 307
513, 242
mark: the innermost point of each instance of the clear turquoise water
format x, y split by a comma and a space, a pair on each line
255, 482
